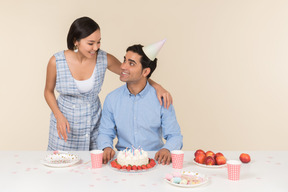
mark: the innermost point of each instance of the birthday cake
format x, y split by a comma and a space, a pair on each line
133, 157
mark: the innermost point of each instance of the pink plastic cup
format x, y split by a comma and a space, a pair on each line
96, 158
177, 159
233, 167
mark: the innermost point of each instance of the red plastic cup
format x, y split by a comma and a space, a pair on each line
233, 167
96, 158
177, 159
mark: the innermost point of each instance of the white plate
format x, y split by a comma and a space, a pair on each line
60, 160
200, 176
209, 166
132, 171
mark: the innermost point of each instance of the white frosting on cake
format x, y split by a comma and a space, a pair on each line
132, 157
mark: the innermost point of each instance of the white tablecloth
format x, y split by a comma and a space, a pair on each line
23, 171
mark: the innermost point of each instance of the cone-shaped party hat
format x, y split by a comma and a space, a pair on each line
152, 50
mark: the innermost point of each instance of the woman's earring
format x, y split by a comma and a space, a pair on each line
75, 48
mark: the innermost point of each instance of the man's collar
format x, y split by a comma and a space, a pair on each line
142, 93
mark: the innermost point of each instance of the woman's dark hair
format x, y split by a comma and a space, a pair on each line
145, 61
80, 28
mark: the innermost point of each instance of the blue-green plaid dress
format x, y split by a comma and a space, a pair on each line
82, 110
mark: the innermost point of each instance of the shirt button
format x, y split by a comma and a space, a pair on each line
74, 106
88, 121
87, 135
88, 105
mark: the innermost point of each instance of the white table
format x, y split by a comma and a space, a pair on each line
22, 171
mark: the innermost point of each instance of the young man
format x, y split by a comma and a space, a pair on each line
133, 113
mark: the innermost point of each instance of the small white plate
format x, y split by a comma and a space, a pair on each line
200, 176
209, 166
60, 160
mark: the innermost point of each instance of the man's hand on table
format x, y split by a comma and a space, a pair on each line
163, 156
108, 154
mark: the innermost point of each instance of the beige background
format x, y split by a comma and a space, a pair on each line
225, 62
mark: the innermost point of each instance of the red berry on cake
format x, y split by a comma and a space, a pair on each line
148, 166
118, 166
124, 167
134, 167
151, 160
152, 163
143, 167
129, 167
113, 163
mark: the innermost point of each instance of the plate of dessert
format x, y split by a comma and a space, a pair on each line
133, 161
186, 179
60, 159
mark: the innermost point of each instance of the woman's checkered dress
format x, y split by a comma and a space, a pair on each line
82, 110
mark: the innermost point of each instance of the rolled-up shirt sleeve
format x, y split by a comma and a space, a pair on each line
107, 131
170, 129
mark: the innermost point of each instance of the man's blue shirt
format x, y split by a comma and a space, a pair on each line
138, 121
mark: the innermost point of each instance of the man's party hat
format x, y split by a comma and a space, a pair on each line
152, 50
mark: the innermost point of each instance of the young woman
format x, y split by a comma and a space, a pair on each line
78, 74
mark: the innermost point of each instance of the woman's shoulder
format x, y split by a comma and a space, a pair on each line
102, 51
58, 55
51, 63
109, 55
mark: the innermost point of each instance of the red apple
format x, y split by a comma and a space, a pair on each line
210, 153
245, 158
220, 160
218, 154
200, 158
210, 161
199, 151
